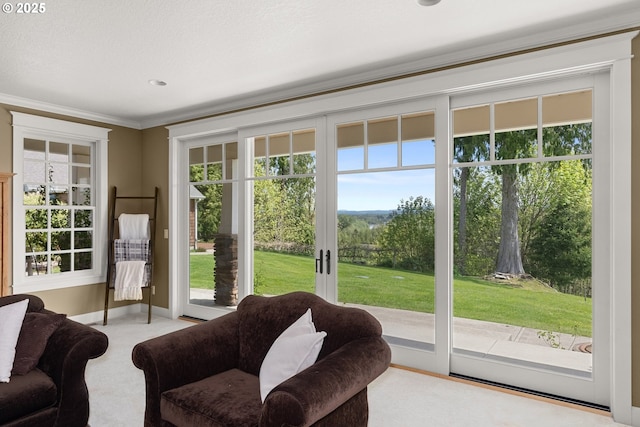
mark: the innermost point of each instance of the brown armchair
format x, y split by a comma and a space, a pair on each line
54, 394
208, 374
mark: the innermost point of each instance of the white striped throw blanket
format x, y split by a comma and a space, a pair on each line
131, 268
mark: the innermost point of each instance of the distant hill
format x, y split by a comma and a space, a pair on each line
373, 218
365, 213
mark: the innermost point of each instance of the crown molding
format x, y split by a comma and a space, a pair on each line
16, 101
624, 20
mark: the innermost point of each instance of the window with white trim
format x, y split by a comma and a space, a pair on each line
60, 202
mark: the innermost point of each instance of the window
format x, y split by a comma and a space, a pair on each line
60, 202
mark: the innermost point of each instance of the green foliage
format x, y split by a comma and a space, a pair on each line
515, 144
270, 214
284, 208
209, 208
535, 199
58, 219
553, 205
209, 211
567, 139
409, 236
560, 249
471, 148
259, 279
353, 230
551, 338
483, 219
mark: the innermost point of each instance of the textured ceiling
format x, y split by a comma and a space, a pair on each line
94, 58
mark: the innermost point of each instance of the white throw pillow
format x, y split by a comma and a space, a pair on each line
304, 325
294, 350
11, 318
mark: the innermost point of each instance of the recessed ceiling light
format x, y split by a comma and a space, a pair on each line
157, 82
428, 2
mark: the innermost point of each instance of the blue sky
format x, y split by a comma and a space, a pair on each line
384, 190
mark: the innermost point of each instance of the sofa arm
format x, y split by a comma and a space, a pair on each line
318, 390
64, 359
185, 356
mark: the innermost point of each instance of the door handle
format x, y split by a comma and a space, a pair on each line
328, 261
319, 260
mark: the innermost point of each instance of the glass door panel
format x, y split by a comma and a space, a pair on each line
213, 225
386, 223
284, 211
523, 240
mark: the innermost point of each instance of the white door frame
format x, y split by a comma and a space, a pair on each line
595, 388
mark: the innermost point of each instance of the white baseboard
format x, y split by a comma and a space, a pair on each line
98, 316
635, 416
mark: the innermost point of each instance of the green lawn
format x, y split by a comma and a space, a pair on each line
201, 270
533, 307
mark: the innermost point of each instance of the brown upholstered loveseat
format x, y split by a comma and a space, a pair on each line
208, 374
55, 392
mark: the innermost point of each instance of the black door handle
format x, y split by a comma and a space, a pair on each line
320, 260
328, 261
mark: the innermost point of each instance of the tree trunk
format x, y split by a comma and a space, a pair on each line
509, 258
462, 221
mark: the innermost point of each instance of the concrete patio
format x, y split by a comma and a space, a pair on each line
475, 338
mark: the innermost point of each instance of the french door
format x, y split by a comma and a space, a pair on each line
210, 199
531, 191
383, 182
282, 200
250, 201
472, 226
466, 226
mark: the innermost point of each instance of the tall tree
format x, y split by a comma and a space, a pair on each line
512, 145
483, 238
466, 149
536, 192
557, 141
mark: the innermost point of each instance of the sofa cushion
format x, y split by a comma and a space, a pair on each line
26, 394
11, 317
34, 335
231, 398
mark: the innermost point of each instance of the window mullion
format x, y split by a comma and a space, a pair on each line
492, 132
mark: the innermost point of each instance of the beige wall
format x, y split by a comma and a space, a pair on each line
155, 173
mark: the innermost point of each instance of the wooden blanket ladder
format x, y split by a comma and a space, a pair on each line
131, 205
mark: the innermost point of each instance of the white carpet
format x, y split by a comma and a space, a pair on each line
397, 398
403, 398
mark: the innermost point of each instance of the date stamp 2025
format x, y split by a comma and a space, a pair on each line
24, 8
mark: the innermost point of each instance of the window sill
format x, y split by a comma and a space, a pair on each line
57, 281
